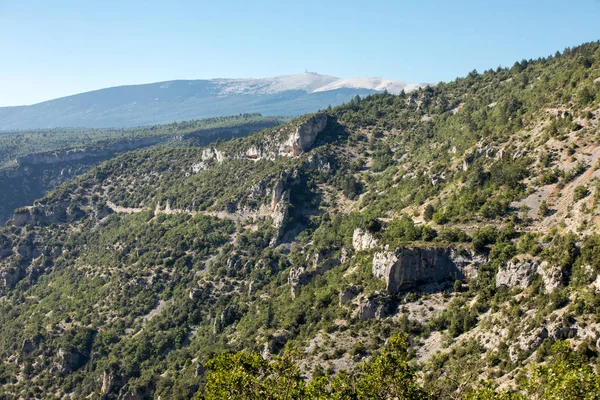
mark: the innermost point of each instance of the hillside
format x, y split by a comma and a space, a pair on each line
33, 162
441, 243
181, 100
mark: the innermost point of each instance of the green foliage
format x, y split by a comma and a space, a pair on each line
144, 298
14, 144
483, 237
543, 210
566, 376
428, 212
401, 230
580, 192
249, 376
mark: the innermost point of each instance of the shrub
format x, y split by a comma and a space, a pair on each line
580, 192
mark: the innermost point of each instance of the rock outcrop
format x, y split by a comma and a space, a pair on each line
526, 343
408, 267
516, 274
520, 274
552, 275
377, 306
299, 141
10, 277
363, 240
47, 214
304, 137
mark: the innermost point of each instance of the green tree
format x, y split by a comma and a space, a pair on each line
428, 212
543, 210
580, 192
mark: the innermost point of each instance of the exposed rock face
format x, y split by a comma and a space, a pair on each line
596, 284
558, 331
280, 214
377, 307
407, 267
10, 277
319, 162
304, 137
366, 309
107, 382
68, 361
552, 276
47, 214
210, 154
295, 279
521, 273
348, 294
298, 142
529, 341
363, 240
346, 254
516, 274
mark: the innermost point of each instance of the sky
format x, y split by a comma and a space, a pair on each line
50, 49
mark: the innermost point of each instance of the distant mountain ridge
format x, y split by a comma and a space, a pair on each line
178, 100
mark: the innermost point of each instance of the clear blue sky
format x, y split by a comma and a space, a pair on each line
55, 48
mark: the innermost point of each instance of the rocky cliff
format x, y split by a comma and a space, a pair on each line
405, 268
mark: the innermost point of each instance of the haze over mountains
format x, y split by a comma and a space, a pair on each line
179, 100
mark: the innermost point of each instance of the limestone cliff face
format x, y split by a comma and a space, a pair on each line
44, 215
363, 240
304, 137
516, 274
408, 267
300, 140
520, 273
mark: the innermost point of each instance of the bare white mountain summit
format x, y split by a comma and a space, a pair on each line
310, 82
179, 100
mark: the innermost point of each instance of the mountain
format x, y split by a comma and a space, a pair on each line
437, 244
166, 102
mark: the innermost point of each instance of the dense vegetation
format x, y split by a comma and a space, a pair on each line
241, 270
33, 162
19, 143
